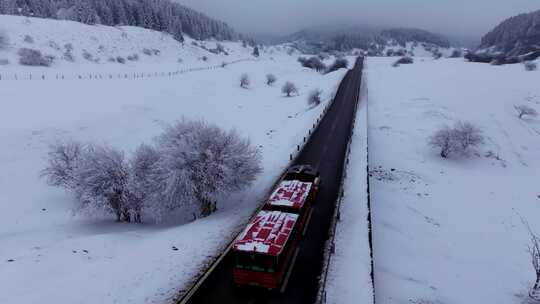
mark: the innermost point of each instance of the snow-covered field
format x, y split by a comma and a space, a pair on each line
47, 255
450, 230
349, 275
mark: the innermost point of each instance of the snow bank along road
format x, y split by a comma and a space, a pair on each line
325, 150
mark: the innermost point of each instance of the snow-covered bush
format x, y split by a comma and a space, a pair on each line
271, 79
530, 66
312, 63
456, 140
4, 40
4, 62
134, 57
456, 54
200, 162
88, 56
524, 110
147, 52
244, 81
314, 98
403, 60
121, 59
28, 39
339, 63
256, 51
33, 57
52, 44
289, 88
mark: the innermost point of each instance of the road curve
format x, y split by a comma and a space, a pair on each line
325, 150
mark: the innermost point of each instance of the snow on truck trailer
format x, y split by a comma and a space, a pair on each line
267, 247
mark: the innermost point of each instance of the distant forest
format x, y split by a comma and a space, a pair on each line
159, 15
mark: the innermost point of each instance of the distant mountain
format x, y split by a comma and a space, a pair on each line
160, 15
367, 38
515, 36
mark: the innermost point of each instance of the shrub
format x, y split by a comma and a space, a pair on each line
339, 63
52, 44
256, 51
68, 56
63, 159
33, 57
147, 52
312, 63
530, 66
456, 140
88, 56
270, 79
120, 59
111, 59
68, 47
405, 60
223, 64
289, 88
4, 61
28, 39
524, 110
244, 81
134, 57
314, 98
204, 58
4, 40
180, 60
456, 54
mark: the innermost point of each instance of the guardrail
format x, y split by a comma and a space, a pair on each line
116, 75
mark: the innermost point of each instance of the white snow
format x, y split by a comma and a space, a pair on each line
349, 274
449, 230
56, 256
290, 193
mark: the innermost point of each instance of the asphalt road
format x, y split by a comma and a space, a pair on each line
326, 151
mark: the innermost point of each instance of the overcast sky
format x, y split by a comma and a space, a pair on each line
461, 17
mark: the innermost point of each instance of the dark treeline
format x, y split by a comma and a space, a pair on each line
159, 15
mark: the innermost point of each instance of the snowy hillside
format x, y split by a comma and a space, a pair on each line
450, 230
76, 46
47, 254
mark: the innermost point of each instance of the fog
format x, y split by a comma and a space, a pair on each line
452, 17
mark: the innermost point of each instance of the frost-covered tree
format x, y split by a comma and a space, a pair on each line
524, 110
244, 81
63, 159
289, 88
457, 140
339, 63
314, 98
271, 79
102, 181
201, 161
143, 184
443, 139
314, 63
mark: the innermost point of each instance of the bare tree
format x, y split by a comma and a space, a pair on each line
467, 135
443, 139
270, 79
524, 110
289, 88
314, 98
459, 139
244, 81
